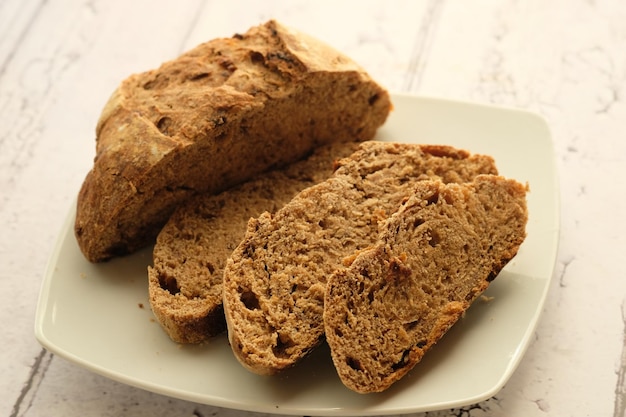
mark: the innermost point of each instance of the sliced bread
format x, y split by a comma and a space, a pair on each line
436, 255
214, 117
185, 281
274, 282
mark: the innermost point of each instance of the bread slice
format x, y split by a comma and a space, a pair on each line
274, 282
435, 255
185, 281
214, 117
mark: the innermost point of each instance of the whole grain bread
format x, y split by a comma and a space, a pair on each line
436, 255
185, 281
274, 282
214, 117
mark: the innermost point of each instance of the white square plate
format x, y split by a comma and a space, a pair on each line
99, 317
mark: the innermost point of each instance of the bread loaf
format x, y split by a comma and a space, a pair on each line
214, 117
274, 282
185, 282
436, 255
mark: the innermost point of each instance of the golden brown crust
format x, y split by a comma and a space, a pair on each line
195, 124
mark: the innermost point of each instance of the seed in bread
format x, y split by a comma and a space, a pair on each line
436, 255
274, 282
214, 117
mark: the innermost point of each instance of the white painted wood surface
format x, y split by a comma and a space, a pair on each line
564, 59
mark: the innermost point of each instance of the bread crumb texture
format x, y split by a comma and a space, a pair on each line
275, 280
185, 282
435, 255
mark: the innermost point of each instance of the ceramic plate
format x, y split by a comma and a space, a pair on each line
99, 317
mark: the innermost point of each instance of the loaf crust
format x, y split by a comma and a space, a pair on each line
274, 282
212, 118
185, 281
436, 255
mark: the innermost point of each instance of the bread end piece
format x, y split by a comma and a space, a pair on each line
194, 125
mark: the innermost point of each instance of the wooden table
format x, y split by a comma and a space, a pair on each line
565, 60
